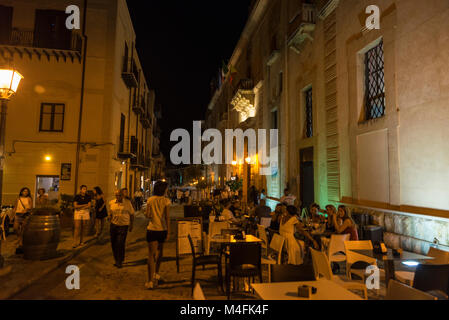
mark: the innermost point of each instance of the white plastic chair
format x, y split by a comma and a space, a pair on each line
262, 233
198, 292
400, 291
276, 246
215, 229
323, 268
353, 257
336, 251
441, 257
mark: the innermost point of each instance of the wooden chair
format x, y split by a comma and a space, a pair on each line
400, 291
353, 257
262, 233
323, 268
244, 262
337, 251
203, 260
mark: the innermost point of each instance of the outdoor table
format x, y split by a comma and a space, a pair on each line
389, 260
326, 290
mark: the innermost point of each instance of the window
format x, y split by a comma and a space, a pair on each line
52, 117
374, 83
309, 112
274, 119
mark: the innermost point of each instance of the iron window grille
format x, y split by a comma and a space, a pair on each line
52, 117
374, 83
309, 113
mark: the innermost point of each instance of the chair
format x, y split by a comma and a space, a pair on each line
215, 229
203, 260
262, 233
198, 292
276, 245
353, 257
323, 268
336, 251
441, 257
432, 277
266, 222
244, 262
290, 272
400, 291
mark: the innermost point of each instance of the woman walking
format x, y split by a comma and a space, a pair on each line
22, 209
121, 214
82, 204
158, 211
100, 211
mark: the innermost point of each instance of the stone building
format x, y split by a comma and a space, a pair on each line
361, 112
115, 130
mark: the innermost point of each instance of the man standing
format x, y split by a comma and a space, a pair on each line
121, 215
138, 197
82, 204
288, 198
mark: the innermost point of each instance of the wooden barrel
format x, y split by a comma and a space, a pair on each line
41, 234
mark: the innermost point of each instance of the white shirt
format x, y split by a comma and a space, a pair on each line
228, 215
121, 212
156, 206
290, 200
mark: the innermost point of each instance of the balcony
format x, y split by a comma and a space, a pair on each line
145, 121
130, 74
302, 27
127, 149
26, 42
243, 100
138, 106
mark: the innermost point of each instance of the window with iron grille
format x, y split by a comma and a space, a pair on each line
309, 113
52, 117
374, 83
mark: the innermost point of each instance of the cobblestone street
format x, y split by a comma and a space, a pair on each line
99, 279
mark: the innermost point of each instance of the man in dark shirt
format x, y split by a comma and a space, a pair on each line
82, 204
262, 210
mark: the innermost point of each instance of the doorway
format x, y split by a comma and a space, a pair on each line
51, 186
307, 185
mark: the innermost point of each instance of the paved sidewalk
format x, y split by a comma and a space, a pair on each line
21, 273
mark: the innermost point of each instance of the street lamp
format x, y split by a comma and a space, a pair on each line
9, 82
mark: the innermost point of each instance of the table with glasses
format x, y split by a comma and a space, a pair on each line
326, 290
389, 259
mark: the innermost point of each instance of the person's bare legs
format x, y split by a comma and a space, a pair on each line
85, 228
76, 233
152, 257
160, 250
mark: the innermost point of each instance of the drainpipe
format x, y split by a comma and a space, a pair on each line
83, 80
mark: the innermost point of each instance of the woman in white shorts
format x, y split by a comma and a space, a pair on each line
82, 204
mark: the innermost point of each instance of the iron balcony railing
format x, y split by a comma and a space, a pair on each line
29, 38
127, 148
130, 73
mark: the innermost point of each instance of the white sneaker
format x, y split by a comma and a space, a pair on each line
149, 285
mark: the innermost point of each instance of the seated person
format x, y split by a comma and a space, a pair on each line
262, 211
344, 224
236, 208
331, 212
227, 214
288, 226
276, 216
310, 213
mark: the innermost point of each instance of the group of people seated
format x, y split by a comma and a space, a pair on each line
293, 225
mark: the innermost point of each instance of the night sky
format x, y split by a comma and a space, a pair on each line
182, 45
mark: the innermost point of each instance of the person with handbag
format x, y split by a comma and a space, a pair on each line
22, 210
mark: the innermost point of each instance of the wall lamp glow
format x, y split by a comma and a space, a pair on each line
47, 158
410, 263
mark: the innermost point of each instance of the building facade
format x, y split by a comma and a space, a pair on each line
361, 111
83, 114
